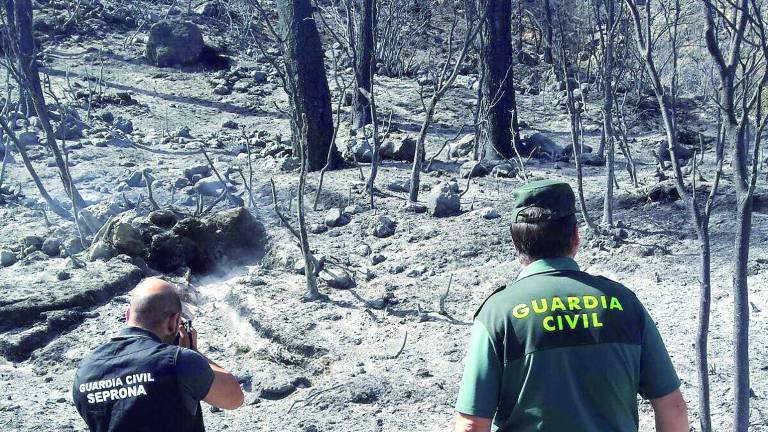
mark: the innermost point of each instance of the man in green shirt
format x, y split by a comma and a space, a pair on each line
559, 349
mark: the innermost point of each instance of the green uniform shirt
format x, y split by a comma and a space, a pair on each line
562, 350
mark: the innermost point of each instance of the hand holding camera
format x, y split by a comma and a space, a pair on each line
187, 337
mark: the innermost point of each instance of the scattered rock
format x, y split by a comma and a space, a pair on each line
32, 241
400, 150
123, 124
489, 213
276, 392
52, 246
318, 228
683, 153
663, 192
363, 250
163, 218
353, 209
504, 170
136, 179
210, 9
338, 279
592, 159
377, 258
102, 250
127, 239
356, 149
211, 187
473, 169
336, 218
540, 145
463, 147
383, 226
443, 200
402, 186
7, 258
229, 124
174, 43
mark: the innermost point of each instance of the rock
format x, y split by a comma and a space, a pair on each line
52, 246
32, 241
568, 150
356, 149
473, 169
225, 238
504, 170
123, 124
383, 226
211, 187
7, 258
663, 192
127, 239
336, 218
377, 258
102, 250
318, 228
211, 9
338, 279
591, 159
174, 43
63, 275
275, 392
71, 246
463, 147
201, 170
299, 267
163, 218
402, 186
107, 117
400, 150
353, 209
136, 179
229, 124
363, 250
183, 132
489, 213
28, 139
540, 145
181, 183
683, 153
410, 207
222, 90
443, 200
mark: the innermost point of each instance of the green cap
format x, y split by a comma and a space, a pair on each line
554, 197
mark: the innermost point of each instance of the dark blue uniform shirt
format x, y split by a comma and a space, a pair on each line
137, 383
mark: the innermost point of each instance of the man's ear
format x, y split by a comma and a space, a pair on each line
173, 323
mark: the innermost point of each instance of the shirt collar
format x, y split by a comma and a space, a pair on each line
548, 264
139, 332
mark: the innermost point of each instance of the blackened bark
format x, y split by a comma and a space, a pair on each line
364, 60
311, 97
548, 59
498, 87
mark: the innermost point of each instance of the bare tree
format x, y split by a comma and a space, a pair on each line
307, 82
364, 60
444, 81
742, 73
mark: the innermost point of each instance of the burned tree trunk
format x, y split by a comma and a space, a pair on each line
498, 87
608, 112
29, 77
548, 32
311, 97
365, 62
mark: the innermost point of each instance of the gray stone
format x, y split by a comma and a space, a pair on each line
229, 124
400, 150
174, 43
211, 187
443, 200
123, 124
383, 226
338, 279
489, 213
592, 159
127, 239
102, 250
377, 258
52, 246
136, 179
353, 209
363, 250
7, 258
201, 170
505, 170
33, 241
473, 169
463, 147
318, 228
211, 9
399, 186
356, 149
222, 90
335, 218
27, 139
540, 145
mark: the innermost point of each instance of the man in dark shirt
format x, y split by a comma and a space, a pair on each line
140, 381
559, 349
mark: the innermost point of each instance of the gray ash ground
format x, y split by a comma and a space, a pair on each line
334, 364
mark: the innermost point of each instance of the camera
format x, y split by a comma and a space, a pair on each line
187, 328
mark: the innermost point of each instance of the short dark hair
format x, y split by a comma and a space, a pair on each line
152, 309
538, 237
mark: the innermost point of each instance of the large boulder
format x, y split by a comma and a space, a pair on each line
228, 237
539, 145
356, 149
174, 43
399, 149
443, 200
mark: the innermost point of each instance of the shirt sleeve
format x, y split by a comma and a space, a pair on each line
194, 374
657, 374
479, 391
